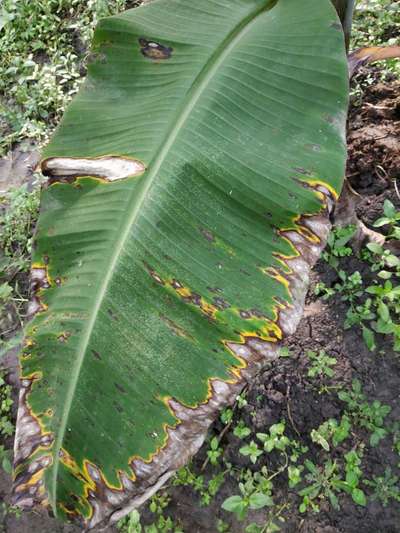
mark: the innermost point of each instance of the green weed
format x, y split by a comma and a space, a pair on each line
385, 487
6, 424
43, 46
373, 307
18, 216
255, 493
321, 364
375, 23
370, 416
323, 483
333, 431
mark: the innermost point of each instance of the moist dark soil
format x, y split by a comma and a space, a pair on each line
283, 390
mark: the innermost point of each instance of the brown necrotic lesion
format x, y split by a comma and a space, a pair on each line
108, 168
154, 50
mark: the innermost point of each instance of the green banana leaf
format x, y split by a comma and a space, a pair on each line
189, 190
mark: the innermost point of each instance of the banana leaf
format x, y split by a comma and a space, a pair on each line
189, 190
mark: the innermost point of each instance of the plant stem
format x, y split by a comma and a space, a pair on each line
345, 9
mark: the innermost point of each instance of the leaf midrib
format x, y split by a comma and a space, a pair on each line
197, 88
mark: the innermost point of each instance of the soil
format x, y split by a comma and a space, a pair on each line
283, 390
17, 168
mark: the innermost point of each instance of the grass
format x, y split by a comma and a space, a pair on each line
43, 45
18, 214
373, 303
376, 23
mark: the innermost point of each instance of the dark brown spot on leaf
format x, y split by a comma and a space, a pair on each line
96, 354
120, 388
63, 337
215, 289
112, 314
96, 57
175, 328
154, 50
314, 147
220, 303
195, 298
153, 274
118, 407
301, 170
257, 313
207, 234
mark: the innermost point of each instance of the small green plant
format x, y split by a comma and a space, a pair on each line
273, 522
320, 364
322, 290
241, 400
331, 430
391, 219
385, 487
5, 459
323, 483
275, 438
338, 245
374, 308
6, 424
387, 305
185, 477
7, 510
241, 504
353, 477
296, 450
284, 352
252, 451
226, 416
370, 416
159, 502
396, 437
213, 486
382, 260
255, 493
351, 287
162, 524
130, 523
222, 527
294, 475
214, 452
241, 430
